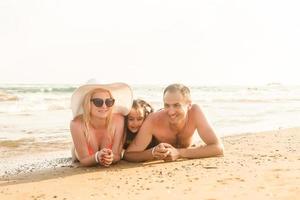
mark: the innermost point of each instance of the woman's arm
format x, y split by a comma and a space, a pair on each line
80, 143
213, 144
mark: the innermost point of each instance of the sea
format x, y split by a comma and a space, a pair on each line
34, 118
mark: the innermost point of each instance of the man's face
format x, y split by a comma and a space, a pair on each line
176, 106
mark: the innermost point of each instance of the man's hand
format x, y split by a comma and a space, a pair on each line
173, 153
159, 152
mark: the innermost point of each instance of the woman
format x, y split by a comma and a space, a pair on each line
133, 121
98, 122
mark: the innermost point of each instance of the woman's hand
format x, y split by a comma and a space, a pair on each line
105, 157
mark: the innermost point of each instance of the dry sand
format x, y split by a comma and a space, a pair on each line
256, 166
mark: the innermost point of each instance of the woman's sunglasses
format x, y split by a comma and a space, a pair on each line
99, 102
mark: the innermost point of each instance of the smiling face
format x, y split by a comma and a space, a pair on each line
176, 106
103, 111
135, 119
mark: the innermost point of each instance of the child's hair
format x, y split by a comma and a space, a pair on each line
137, 104
146, 107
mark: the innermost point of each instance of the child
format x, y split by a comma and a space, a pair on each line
134, 120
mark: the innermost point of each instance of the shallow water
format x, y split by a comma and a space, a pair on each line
23, 164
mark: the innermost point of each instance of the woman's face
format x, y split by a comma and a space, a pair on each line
103, 110
135, 119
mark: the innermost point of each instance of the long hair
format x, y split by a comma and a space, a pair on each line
146, 107
140, 104
137, 104
86, 116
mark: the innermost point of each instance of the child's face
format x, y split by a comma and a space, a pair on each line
135, 120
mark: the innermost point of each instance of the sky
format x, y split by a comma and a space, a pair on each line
209, 42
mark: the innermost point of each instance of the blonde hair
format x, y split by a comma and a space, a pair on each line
86, 116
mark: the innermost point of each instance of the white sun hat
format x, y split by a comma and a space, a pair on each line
121, 92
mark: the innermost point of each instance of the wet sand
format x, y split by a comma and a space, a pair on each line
263, 165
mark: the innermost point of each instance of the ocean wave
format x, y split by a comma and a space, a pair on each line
58, 107
30, 107
274, 100
232, 100
7, 97
16, 143
38, 89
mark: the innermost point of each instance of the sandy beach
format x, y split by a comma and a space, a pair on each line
263, 165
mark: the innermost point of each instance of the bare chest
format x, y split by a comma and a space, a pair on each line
181, 139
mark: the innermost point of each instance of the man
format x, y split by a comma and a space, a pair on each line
174, 127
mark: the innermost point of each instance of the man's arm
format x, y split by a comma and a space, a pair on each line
136, 151
213, 145
80, 144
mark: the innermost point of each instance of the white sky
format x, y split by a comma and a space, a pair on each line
150, 41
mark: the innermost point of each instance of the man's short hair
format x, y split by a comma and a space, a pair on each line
184, 90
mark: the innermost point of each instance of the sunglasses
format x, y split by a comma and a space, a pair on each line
99, 102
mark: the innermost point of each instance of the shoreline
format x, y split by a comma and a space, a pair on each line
264, 165
47, 156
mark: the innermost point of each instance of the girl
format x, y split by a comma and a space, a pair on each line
134, 120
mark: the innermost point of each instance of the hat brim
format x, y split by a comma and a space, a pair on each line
121, 92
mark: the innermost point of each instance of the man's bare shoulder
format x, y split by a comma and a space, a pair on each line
196, 108
157, 116
154, 119
195, 112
